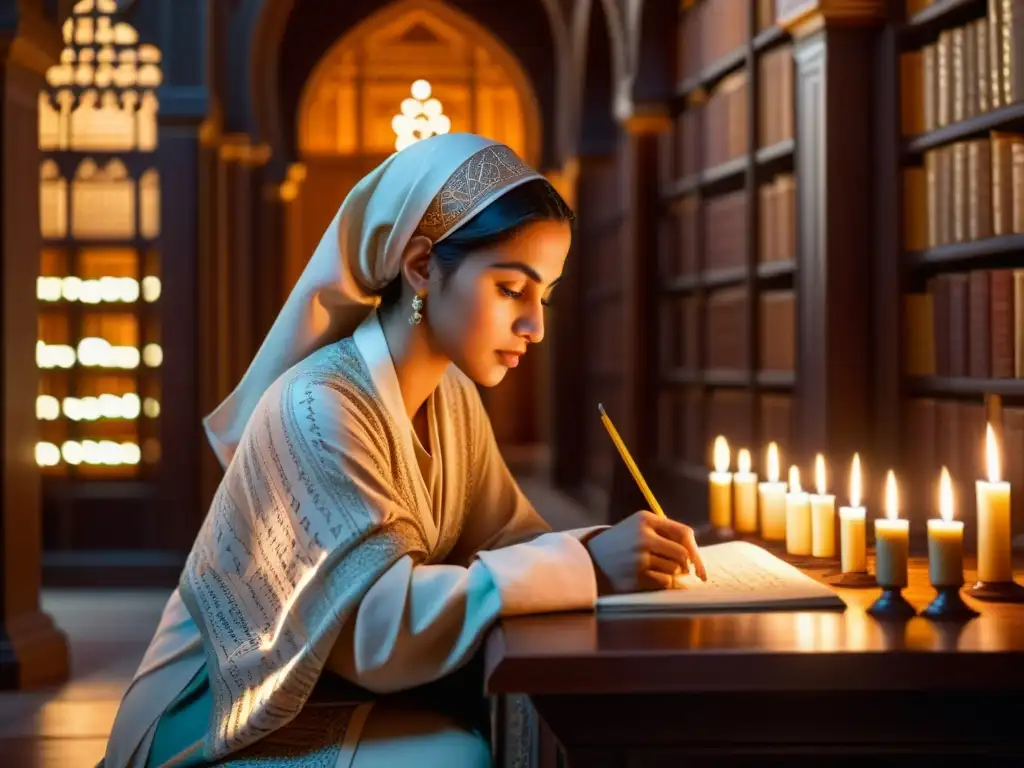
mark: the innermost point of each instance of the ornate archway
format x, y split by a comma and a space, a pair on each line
347, 106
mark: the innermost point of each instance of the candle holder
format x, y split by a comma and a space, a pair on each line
853, 580
891, 604
997, 591
948, 605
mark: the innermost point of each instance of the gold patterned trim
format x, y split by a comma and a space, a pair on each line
478, 181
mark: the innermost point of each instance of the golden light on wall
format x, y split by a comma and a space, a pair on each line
99, 352
421, 117
349, 103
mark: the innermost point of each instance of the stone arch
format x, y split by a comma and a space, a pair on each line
426, 18
600, 61
276, 71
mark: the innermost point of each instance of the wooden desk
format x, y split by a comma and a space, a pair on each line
770, 688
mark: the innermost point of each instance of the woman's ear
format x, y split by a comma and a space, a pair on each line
416, 261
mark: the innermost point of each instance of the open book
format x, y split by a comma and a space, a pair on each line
741, 576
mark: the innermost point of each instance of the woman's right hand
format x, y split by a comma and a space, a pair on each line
643, 552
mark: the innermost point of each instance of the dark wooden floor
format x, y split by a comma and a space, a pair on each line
67, 727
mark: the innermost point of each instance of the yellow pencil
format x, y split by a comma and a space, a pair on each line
614, 434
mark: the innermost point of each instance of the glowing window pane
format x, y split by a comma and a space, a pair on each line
149, 200
145, 122
53, 201
94, 263
103, 202
49, 124
101, 124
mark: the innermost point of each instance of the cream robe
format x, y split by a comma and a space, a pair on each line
403, 574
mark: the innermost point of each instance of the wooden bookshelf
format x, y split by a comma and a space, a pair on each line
960, 162
726, 324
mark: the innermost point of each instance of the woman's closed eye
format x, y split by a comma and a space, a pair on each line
514, 294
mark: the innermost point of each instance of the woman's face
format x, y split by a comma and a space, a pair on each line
492, 307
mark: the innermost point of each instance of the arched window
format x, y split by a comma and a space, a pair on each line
351, 100
99, 350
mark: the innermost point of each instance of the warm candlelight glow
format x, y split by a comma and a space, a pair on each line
819, 473
945, 496
721, 456
743, 461
892, 502
855, 481
991, 454
794, 479
773, 463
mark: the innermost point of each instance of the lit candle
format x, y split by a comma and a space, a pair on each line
798, 517
744, 486
945, 540
852, 527
772, 497
994, 546
823, 514
892, 540
720, 491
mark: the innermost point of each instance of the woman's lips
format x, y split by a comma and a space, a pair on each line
509, 359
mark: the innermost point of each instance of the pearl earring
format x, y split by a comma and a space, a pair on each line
417, 304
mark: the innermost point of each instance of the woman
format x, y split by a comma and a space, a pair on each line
367, 531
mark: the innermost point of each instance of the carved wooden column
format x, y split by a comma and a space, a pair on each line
566, 352
185, 102
834, 44
32, 650
639, 244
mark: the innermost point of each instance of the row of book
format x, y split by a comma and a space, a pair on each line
726, 132
723, 327
969, 70
951, 433
966, 191
709, 31
718, 131
725, 218
713, 29
726, 333
775, 96
967, 324
689, 420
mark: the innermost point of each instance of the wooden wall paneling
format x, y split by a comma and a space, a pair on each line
180, 513
834, 189
33, 651
887, 330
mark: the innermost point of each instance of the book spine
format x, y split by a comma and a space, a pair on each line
995, 50
982, 64
979, 180
979, 322
1002, 183
1001, 301
959, 331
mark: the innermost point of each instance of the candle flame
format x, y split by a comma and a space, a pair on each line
991, 454
819, 473
721, 456
855, 487
743, 461
794, 479
892, 501
945, 496
773, 463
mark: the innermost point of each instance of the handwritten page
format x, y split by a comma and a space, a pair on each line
740, 576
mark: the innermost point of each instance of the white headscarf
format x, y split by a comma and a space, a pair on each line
431, 188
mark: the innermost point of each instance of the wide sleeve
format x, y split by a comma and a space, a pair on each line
418, 622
